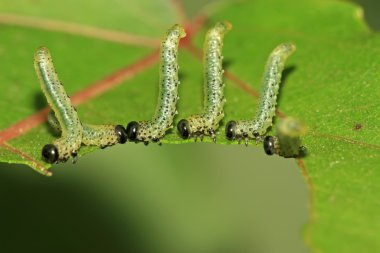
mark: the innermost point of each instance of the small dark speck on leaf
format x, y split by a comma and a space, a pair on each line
357, 126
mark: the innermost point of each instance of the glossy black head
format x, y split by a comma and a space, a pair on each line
269, 145
121, 134
230, 130
132, 130
50, 153
183, 128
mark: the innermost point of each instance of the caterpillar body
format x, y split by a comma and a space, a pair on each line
208, 122
256, 128
96, 135
287, 142
154, 130
66, 117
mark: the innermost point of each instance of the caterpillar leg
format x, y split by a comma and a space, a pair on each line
246, 140
212, 135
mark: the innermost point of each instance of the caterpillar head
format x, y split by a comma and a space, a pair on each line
231, 130
132, 130
184, 128
50, 153
269, 145
121, 134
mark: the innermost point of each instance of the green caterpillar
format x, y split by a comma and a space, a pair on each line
154, 130
256, 128
66, 119
208, 122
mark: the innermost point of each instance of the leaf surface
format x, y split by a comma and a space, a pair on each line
332, 83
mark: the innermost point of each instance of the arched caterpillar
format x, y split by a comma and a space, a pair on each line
208, 122
287, 142
73, 134
154, 130
256, 128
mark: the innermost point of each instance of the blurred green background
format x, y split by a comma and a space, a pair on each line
190, 198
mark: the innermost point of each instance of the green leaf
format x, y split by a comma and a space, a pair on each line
331, 84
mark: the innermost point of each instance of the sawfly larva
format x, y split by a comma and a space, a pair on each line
256, 128
154, 130
208, 122
66, 119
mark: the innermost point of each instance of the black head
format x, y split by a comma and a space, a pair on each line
183, 128
121, 134
230, 130
132, 130
50, 153
269, 145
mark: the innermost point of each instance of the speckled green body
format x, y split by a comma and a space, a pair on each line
93, 135
99, 135
208, 122
256, 128
64, 117
168, 89
72, 130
